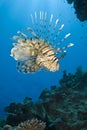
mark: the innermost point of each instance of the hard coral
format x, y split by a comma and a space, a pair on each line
33, 124
19, 112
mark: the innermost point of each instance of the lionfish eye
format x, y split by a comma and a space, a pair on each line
39, 49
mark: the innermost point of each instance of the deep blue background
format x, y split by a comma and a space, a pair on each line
14, 16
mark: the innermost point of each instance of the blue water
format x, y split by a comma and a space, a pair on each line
14, 16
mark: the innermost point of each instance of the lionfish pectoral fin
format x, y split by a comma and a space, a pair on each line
62, 56
16, 38
27, 66
22, 35
63, 48
63, 39
67, 46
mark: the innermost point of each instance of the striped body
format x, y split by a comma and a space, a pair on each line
47, 57
39, 51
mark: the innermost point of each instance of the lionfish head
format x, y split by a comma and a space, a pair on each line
39, 50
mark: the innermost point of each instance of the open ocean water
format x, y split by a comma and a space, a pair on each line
14, 16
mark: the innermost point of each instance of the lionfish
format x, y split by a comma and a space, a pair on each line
38, 50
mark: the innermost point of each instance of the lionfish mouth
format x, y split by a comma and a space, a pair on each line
39, 50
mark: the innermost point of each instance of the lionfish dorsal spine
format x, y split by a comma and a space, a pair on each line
38, 27
47, 37
51, 18
58, 32
32, 19
33, 33
51, 31
62, 40
42, 28
35, 24
35, 16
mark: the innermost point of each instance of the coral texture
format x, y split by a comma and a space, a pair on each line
62, 108
33, 124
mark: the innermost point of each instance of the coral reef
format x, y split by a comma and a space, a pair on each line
80, 8
33, 124
62, 108
2, 122
19, 111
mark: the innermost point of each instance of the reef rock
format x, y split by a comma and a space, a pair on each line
62, 108
80, 8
